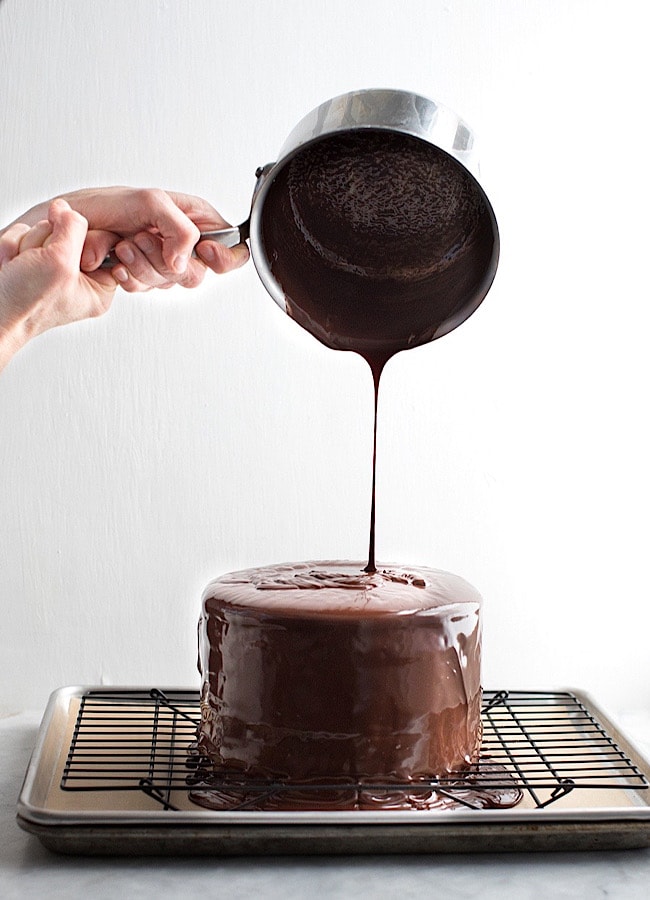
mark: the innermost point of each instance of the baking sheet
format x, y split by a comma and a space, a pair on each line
131, 823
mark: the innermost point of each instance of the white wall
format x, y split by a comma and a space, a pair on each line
184, 435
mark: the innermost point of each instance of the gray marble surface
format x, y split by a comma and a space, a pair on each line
28, 870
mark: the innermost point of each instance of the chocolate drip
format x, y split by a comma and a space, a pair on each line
376, 375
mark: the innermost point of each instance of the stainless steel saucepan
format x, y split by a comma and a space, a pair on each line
373, 211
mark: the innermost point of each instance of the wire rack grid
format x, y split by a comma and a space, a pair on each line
545, 744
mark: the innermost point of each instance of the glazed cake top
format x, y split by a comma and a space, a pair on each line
341, 588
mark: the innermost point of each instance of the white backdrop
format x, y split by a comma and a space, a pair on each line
187, 434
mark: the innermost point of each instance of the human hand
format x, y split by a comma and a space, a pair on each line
48, 278
41, 284
152, 232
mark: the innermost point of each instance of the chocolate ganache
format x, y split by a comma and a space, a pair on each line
319, 672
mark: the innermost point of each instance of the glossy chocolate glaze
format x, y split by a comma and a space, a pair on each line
321, 672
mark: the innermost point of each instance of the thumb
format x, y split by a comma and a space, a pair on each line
69, 232
97, 246
69, 229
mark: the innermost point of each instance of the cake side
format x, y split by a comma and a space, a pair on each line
320, 672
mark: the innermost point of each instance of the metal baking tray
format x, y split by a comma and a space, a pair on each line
108, 777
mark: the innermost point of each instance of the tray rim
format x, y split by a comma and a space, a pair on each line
35, 818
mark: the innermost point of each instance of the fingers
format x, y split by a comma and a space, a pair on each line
138, 271
177, 231
63, 228
36, 236
222, 259
69, 230
69, 233
144, 267
10, 241
97, 246
202, 213
217, 257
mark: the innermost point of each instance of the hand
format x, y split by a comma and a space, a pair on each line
50, 256
153, 233
41, 284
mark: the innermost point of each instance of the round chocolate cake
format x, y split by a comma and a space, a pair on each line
319, 673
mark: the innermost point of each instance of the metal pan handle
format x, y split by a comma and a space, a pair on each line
229, 237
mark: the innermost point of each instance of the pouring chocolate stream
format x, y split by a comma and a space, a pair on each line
380, 242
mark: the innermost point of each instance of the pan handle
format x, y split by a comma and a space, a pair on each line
229, 237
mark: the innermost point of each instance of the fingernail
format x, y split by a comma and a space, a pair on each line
144, 243
126, 254
179, 264
120, 273
241, 254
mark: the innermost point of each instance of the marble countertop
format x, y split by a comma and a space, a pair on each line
28, 870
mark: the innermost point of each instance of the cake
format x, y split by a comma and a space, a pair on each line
320, 673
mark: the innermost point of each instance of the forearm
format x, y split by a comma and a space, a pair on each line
12, 338
19, 320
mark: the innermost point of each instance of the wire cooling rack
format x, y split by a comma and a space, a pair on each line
544, 744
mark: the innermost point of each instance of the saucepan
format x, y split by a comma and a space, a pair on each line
372, 226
